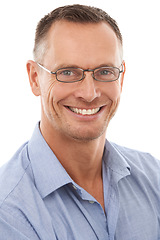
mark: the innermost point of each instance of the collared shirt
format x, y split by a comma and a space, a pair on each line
40, 201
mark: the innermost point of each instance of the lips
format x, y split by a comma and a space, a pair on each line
85, 111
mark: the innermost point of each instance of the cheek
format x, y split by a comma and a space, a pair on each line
47, 88
47, 93
58, 93
114, 96
114, 91
54, 93
62, 91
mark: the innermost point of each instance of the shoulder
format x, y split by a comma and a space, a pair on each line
16, 183
13, 173
138, 161
142, 164
137, 157
23, 213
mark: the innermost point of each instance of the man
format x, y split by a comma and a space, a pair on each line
68, 182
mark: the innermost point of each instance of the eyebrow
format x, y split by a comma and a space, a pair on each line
76, 66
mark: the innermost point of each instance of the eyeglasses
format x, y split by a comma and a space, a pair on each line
72, 74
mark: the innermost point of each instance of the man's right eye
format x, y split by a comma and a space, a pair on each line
66, 72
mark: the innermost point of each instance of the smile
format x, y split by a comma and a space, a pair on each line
85, 111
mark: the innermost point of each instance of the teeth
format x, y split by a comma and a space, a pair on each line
85, 111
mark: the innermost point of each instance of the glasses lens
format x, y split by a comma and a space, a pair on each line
106, 74
69, 74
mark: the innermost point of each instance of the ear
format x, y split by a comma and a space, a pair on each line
32, 70
122, 74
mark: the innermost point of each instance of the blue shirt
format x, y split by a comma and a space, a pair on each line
39, 200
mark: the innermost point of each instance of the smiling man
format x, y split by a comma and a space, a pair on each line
68, 181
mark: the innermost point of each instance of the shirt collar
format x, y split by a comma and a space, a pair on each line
50, 175
115, 161
48, 172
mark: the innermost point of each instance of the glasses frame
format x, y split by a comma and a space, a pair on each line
83, 76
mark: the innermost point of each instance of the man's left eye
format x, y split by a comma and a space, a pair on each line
106, 72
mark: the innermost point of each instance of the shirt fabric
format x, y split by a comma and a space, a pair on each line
40, 201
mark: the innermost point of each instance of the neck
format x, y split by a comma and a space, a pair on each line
81, 159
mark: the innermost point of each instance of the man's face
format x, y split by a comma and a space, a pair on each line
80, 110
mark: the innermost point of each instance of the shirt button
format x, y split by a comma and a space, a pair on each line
91, 202
74, 187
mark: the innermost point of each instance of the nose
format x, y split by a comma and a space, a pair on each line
88, 89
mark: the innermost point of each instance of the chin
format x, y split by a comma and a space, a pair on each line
86, 136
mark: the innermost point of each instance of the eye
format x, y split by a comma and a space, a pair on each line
69, 74
105, 71
66, 72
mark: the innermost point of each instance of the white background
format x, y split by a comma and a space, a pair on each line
137, 122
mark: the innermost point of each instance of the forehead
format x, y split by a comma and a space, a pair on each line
82, 42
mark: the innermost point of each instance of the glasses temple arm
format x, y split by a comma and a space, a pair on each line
45, 69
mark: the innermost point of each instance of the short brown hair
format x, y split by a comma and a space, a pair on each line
73, 13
